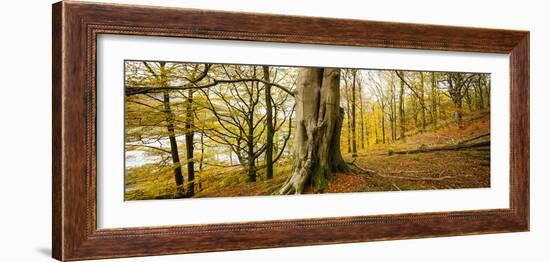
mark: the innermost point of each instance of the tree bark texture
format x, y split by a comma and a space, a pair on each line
434, 101
352, 117
402, 111
422, 102
251, 165
318, 126
269, 126
362, 119
178, 175
189, 146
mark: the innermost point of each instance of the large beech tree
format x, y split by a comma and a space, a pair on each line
318, 124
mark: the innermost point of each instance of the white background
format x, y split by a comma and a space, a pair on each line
113, 211
25, 106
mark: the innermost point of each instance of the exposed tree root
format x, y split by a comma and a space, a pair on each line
357, 169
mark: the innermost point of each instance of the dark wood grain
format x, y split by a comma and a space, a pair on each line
76, 26
57, 198
519, 129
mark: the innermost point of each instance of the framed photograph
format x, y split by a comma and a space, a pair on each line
181, 130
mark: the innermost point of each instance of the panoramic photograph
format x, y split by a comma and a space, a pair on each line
198, 130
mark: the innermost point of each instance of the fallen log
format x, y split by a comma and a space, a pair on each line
442, 148
413, 178
474, 138
417, 178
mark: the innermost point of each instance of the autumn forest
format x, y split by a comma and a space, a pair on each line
224, 130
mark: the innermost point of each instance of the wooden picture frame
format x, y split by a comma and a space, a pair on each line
76, 26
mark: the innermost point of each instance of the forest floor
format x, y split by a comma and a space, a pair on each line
445, 169
452, 169
379, 167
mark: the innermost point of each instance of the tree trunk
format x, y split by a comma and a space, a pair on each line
375, 125
422, 102
201, 160
456, 92
393, 114
434, 101
173, 146
366, 120
441, 113
468, 98
180, 190
362, 119
170, 126
353, 118
251, 170
317, 139
383, 120
269, 126
251, 165
415, 111
189, 147
348, 113
458, 114
402, 111
479, 87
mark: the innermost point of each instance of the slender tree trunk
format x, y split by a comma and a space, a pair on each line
180, 190
468, 98
441, 109
173, 146
269, 126
366, 120
458, 114
170, 126
456, 92
251, 165
393, 114
251, 169
383, 120
402, 111
391, 119
434, 102
481, 104
189, 143
317, 138
276, 142
375, 125
362, 119
201, 160
415, 111
353, 118
348, 113
391, 126
422, 102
